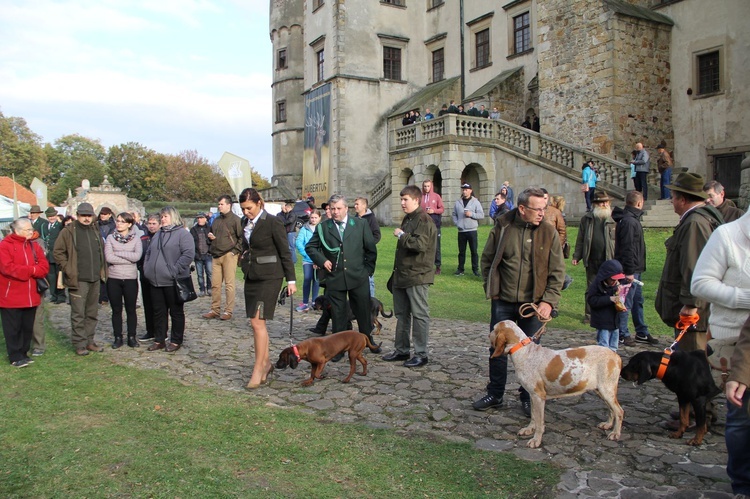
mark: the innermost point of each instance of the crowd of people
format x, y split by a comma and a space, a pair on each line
705, 274
415, 116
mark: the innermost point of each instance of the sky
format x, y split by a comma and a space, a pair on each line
172, 75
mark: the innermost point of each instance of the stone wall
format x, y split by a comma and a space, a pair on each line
511, 98
603, 77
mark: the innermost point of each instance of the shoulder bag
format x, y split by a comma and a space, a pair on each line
42, 284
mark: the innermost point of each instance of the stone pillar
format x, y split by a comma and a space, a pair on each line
744, 200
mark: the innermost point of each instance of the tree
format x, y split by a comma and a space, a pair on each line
259, 181
21, 152
139, 171
192, 178
72, 159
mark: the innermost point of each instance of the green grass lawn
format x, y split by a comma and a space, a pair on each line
463, 297
83, 427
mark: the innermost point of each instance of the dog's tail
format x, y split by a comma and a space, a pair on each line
371, 344
382, 311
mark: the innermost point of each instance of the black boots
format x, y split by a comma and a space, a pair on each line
132, 342
118, 342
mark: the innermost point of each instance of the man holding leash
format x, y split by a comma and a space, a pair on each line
344, 250
522, 262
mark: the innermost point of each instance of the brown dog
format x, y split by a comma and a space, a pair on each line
376, 307
318, 351
548, 374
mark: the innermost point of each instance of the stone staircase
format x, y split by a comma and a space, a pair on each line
659, 213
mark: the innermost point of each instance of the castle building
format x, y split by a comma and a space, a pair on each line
596, 75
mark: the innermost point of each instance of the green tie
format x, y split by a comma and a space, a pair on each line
341, 229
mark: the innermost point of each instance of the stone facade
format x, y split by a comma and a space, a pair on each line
600, 74
103, 195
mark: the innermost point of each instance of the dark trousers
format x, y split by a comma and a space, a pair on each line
438, 260
359, 300
18, 327
148, 306
55, 295
165, 302
502, 311
737, 436
641, 184
119, 291
471, 238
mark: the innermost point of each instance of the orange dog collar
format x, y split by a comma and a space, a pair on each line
519, 346
296, 352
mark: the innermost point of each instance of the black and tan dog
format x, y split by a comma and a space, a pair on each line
688, 375
318, 351
376, 307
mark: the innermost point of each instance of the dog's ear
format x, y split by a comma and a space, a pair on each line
498, 339
283, 359
645, 373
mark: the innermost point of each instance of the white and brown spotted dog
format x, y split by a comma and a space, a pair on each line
548, 374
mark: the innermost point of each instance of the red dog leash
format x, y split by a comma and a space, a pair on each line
685, 323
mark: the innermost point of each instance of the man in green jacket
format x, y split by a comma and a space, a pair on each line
344, 250
79, 252
595, 243
522, 262
697, 222
413, 273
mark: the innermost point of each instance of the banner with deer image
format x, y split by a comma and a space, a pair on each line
316, 161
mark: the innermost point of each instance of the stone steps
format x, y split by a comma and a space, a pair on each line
659, 213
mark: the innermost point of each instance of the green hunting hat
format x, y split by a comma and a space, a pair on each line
690, 183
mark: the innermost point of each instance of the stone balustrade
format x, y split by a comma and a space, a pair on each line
517, 139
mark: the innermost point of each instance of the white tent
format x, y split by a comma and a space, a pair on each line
6, 209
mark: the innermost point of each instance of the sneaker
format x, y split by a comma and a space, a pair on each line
458, 272
20, 363
477, 274
487, 402
303, 307
628, 341
201, 293
208, 292
37, 352
646, 339
568, 281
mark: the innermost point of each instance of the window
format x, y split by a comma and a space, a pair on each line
400, 3
709, 73
483, 48
281, 59
391, 63
317, 4
438, 65
437, 3
321, 59
521, 33
280, 111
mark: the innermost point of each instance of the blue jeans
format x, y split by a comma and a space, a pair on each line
501, 311
204, 264
737, 436
634, 302
666, 179
608, 338
291, 237
309, 283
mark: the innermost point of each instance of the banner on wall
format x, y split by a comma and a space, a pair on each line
316, 159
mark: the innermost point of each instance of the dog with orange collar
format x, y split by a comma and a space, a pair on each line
318, 351
548, 374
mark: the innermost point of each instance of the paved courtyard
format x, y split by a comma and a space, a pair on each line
436, 400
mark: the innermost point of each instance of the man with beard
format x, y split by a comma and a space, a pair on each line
595, 243
79, 253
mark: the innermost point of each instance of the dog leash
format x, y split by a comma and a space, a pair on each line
529, 310
291, 325
683, 324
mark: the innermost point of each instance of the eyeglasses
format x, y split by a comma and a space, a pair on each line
538, 210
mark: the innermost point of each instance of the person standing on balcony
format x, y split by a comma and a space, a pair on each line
473, 111
432, 203
466, 212
428, 114
642, 165
452, 109
495, 114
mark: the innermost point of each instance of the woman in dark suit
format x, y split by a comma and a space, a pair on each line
266, 261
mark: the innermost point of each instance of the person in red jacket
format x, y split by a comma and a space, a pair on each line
22, 262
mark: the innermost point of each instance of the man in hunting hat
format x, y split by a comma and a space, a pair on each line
595, 243
697, 221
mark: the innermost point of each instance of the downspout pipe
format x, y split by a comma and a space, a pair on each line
463, 57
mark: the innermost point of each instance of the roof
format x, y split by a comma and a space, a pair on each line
494, 82
23, 194
628, 9
424, 95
